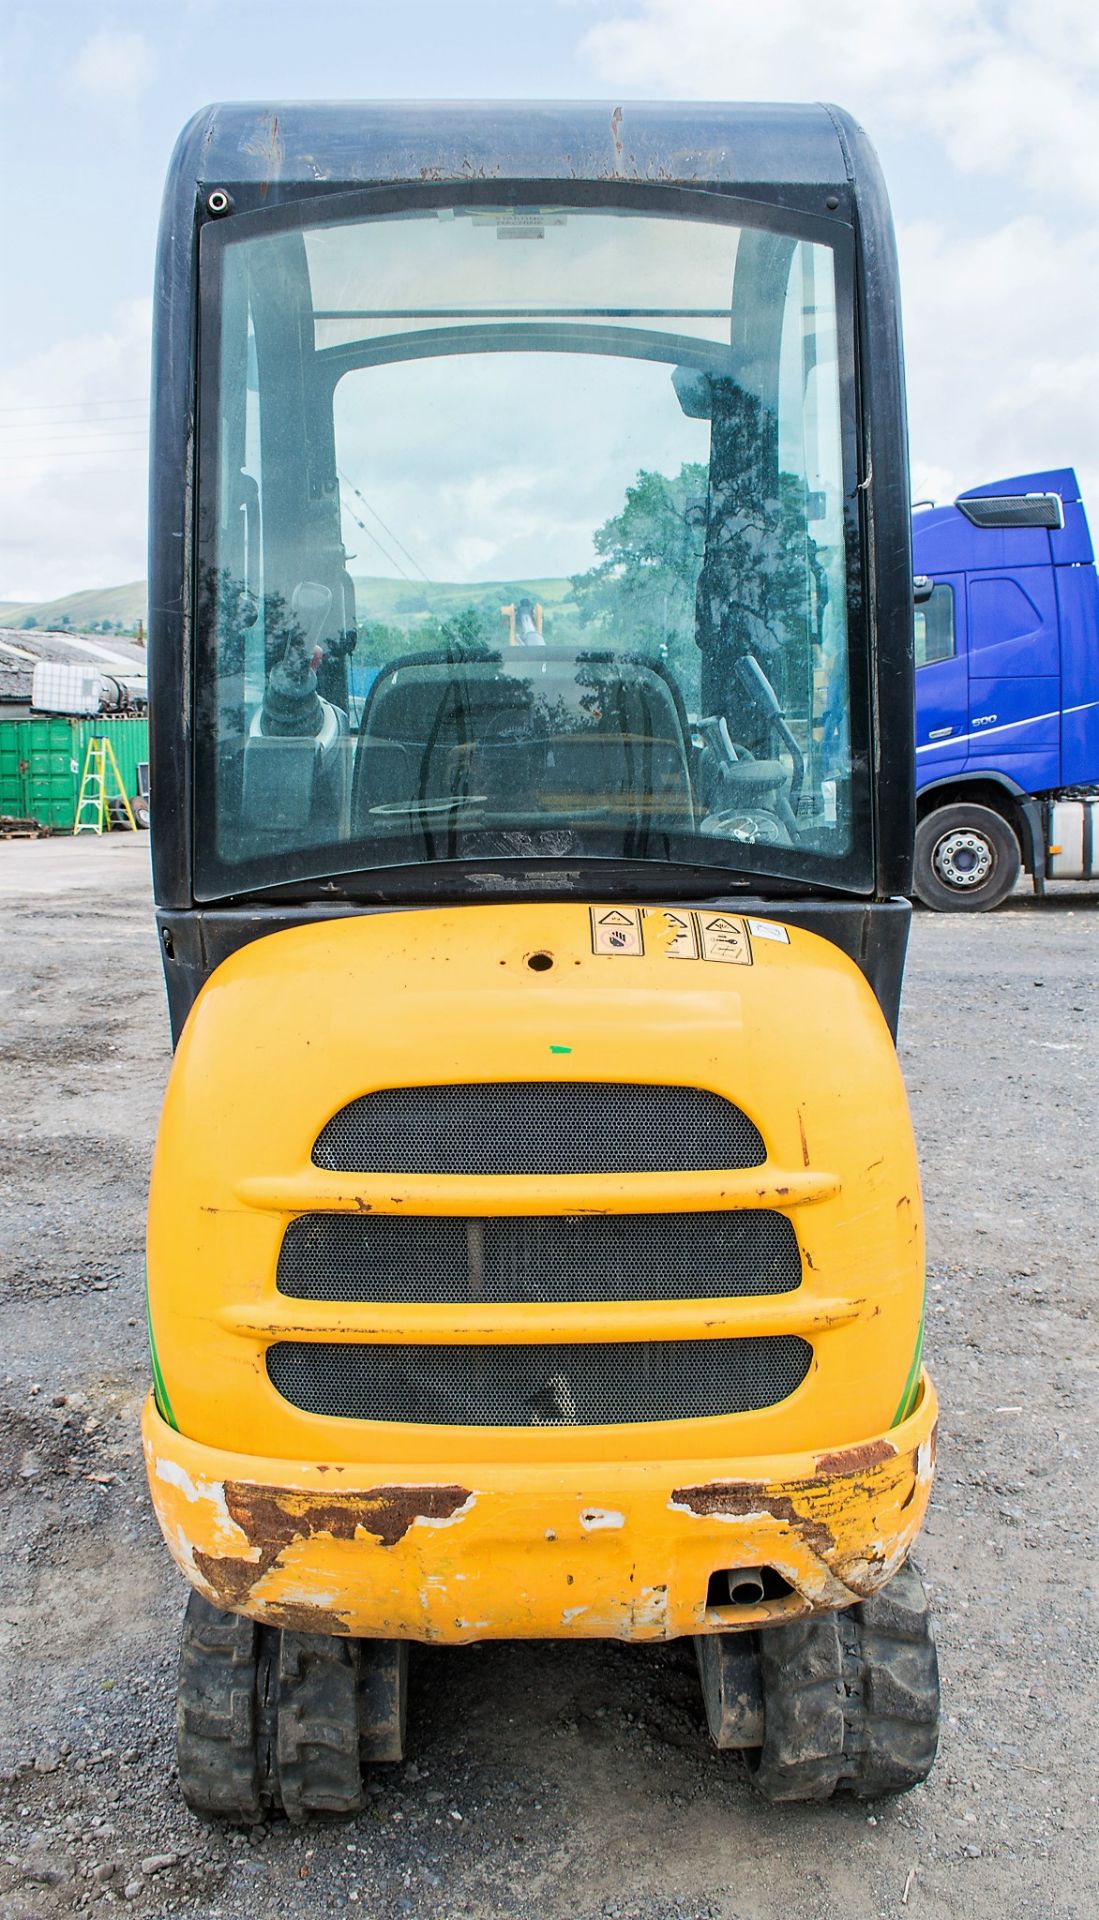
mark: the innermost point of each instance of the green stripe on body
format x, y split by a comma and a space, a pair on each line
160, 1391
912, 1384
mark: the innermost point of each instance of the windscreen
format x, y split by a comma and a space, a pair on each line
525, 533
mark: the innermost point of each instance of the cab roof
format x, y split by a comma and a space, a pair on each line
675, 142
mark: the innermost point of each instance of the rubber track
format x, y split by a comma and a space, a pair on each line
318, 1725
265, 1719
216, 1718
851, 1699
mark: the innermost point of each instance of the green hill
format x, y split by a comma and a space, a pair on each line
404, 603
81, 611
393, 603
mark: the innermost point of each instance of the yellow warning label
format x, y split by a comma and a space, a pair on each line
671, 932
616, 930
724, 938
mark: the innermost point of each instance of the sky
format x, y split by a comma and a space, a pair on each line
984, 113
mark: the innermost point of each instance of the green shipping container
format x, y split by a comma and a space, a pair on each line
42, 759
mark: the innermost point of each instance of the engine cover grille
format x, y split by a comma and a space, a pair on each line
566, 1126
662, 1256
593, 1385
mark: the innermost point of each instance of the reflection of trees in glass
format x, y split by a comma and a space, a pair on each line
379, 643
716, 560
641, 595
473, 628
227, 613
754, 588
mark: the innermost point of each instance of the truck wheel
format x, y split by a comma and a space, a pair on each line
967, 859
850, 1699
266, 1720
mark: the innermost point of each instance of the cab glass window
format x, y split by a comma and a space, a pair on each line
525, 533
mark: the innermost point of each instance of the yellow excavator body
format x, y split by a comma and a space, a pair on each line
453, 1403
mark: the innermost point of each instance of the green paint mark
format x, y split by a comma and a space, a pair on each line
560, 1049
160, 1391
912, 1384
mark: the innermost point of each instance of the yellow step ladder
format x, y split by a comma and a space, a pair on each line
100, 767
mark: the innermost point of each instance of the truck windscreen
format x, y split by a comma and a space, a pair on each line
527, 532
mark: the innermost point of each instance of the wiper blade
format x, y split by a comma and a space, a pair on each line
464, 881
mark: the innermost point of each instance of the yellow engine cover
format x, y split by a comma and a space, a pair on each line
297, 1025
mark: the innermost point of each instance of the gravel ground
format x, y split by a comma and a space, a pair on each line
551, 1780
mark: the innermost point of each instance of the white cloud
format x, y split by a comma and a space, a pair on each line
72, 462
1005, 89
114, 66
1003, 368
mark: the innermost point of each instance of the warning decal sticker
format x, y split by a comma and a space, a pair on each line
672, 932
676, 933
616, 930
724, 939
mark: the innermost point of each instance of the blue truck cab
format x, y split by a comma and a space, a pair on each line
1007, 691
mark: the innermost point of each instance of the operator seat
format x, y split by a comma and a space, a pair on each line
554, 735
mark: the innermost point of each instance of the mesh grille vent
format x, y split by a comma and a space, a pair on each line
539, 1127
593, 1385
664, 1256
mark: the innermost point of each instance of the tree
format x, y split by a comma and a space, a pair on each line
471, 628
379, 643
641, 594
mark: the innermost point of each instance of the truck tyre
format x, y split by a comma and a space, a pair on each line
967, 859
850, 1699
266, 1720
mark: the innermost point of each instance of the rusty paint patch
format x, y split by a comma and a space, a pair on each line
299, 1616
856, 1459
270, 1516
273, 1520
232, 1580
736, 1500
804, 1141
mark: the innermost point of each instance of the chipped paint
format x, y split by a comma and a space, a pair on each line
594, 1517
274, 1516
843, 1532
743, 1500
856, 1459
210, 1492
390, 1560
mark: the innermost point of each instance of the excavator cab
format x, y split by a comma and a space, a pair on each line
535, 1239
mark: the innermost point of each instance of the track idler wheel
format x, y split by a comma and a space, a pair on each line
269, 1720
850, 1700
